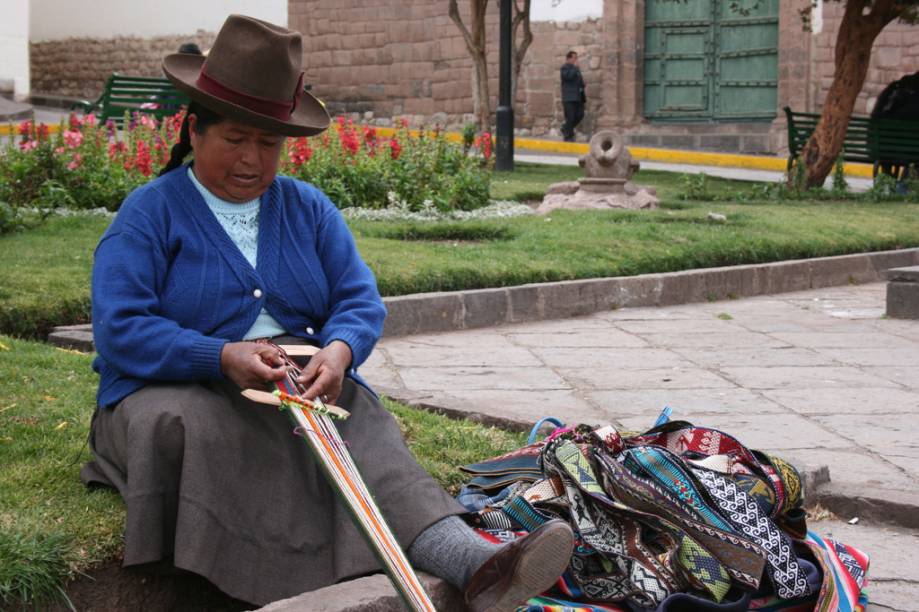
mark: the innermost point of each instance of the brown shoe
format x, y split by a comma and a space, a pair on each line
521, 570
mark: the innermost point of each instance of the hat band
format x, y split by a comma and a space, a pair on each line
272, 108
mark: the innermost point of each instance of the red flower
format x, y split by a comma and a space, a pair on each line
114, 148
370, 140
299, 151
142, 160
395, 148
483, 143
350, 141
25, 128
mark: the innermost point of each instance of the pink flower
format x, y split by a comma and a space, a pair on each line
90, 119
73, 138
148, 122
28, 145
75, 163
59, 150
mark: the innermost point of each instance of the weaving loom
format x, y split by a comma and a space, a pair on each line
313, 421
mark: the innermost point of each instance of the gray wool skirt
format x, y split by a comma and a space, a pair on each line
222, 487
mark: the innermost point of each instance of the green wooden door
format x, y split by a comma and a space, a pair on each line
705, 60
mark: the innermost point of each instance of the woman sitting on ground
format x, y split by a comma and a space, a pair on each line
197, 265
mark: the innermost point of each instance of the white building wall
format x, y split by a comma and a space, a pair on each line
14, 45
565, 10
59, 19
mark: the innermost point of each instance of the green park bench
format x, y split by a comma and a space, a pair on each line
890, 145
150, 95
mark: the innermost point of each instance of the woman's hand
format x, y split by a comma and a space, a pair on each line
324, 374
251, 365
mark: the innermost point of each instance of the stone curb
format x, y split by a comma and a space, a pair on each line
900, 508
370, 594
423, 313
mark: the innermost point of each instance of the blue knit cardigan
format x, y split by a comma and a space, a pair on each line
170, 287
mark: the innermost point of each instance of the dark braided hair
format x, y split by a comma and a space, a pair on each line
181, 149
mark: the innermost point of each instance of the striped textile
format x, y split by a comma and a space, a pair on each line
332, 454
845, 575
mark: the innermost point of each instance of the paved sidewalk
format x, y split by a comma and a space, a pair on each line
818, 376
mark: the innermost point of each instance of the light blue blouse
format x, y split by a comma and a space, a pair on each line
240, 222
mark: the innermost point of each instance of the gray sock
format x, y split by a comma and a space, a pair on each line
451, 550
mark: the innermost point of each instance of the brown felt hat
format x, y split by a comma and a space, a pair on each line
252, 74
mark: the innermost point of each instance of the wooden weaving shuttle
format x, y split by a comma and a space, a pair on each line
271, 399
299, 350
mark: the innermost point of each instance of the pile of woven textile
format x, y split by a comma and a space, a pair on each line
677, 518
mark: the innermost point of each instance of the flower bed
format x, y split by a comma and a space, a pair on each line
86, 165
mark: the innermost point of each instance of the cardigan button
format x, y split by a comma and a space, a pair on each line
257, 293
310, 331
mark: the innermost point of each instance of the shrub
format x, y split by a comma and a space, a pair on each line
357, 167
87, 165
84, 165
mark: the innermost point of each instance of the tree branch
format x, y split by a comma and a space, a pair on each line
458, 20
522, 16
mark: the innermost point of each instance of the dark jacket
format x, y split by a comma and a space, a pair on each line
572, 84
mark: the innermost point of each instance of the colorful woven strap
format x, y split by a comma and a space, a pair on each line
615, 535
704, 568
745, 514
743, 559
525, 514
655, 464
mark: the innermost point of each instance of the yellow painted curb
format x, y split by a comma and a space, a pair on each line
7, 129
667, 156
674, 156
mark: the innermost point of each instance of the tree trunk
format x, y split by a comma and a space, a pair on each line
475, 44
481, 98
857, 33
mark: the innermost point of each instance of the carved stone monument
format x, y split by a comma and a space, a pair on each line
608, 166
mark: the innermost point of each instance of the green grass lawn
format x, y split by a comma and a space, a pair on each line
51, 526
44, 272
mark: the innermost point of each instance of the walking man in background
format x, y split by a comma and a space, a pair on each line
573, 95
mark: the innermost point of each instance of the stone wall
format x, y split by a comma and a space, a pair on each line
409, 58
895, 54
79, 66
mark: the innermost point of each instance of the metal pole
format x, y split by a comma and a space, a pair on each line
504, 151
